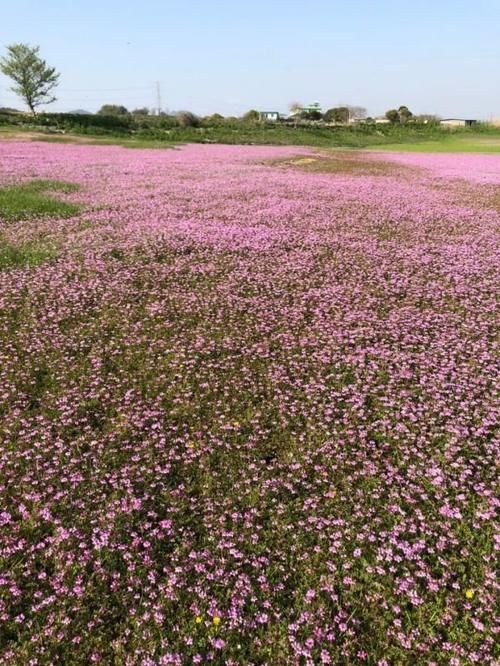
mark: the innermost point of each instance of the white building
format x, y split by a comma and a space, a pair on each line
457, 122
272, 116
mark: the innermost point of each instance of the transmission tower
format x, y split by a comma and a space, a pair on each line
158, 98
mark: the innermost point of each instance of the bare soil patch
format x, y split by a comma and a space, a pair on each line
344, 162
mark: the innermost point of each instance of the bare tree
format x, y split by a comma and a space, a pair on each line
295, 107
357, 112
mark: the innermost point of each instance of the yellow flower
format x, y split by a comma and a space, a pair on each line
198, 619
469, 594
216, 620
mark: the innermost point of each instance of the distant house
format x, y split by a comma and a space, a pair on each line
457, 122
271, 116
382, 121
315, 107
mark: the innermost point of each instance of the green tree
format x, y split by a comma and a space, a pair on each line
404, 114
251, 116
34, 79
311, 115
339, 114
113, 110
141, 111
214, 119
392, 115
187, 119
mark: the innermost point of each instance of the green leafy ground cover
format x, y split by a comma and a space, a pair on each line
26, 201
36, 198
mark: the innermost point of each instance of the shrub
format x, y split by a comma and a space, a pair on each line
113, 110
187, 119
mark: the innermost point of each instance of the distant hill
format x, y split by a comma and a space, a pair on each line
7, 109
81, 112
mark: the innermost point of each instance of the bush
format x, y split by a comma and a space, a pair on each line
69, 121
251, 116
339, 114
113, 110
142, 111
214, 120
187, 119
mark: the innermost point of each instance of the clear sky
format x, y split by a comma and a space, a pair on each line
435, 56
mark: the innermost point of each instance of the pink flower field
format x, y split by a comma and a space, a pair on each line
248, 399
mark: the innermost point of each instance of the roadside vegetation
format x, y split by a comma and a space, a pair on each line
163, 131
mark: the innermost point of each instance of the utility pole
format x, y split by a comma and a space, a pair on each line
158, 98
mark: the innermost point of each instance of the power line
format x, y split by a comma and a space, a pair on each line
65, 90
105, 89
85, 98
154, 93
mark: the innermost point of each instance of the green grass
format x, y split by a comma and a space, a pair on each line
36, 199
470, 143
24, 201
316, 137
88, 139
30, 254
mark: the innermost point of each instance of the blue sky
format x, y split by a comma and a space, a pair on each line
439, 56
